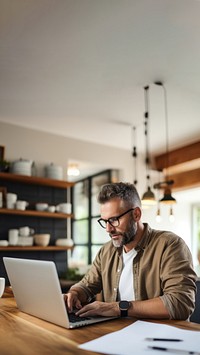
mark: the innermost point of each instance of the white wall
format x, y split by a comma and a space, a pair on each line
44, 148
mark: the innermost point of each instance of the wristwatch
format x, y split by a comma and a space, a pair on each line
124, 306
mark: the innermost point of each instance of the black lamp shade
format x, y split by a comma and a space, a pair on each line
167, 198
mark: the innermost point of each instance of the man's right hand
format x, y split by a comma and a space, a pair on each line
72, 301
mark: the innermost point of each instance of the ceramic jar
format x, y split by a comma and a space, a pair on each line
54, 172
22, 167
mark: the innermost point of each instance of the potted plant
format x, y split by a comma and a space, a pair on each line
4, 166
69, 278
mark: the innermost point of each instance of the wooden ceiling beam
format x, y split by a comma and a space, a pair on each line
178, 156
186, 180
182, 165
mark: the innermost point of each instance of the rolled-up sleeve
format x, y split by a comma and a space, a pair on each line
178, 280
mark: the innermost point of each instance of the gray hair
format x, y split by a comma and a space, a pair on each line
124, 191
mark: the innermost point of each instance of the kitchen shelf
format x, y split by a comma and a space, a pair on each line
36, 180
33, 188
36, 248
34, 213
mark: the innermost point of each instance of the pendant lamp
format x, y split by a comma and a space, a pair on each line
168, 199
148, 198
73, 170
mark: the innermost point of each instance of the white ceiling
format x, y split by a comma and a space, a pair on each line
78, 68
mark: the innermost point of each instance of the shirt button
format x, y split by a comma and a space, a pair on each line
115, 289
118, 270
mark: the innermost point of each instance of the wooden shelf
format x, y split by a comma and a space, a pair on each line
36, 180
35, 248
35, 187
34, 213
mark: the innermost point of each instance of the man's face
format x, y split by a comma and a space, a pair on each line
126, 231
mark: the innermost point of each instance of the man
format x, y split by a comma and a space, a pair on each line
141, 272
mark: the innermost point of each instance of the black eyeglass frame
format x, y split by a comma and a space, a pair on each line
115, 219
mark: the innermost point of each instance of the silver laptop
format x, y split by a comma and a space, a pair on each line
37, 291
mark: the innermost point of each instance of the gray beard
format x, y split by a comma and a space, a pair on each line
126, 237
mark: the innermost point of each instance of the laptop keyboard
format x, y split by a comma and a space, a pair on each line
73, 318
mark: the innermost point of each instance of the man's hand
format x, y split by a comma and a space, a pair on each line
105, 309
72, 301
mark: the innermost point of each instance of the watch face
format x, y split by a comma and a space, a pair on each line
124, 305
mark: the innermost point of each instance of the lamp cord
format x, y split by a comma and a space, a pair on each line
146, 117
159, 83
167, 131
134, 155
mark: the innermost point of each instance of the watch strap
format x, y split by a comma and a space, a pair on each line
124, 306
124, 312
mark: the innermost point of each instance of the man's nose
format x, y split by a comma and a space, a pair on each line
109, 227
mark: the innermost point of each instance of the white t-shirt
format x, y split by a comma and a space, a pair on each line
126, 287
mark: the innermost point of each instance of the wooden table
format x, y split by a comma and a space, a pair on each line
23, 334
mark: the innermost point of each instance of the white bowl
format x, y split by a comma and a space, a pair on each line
41, 206
3, 243
64, 242
42, 239
52, 208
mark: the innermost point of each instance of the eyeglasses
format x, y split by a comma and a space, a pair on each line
113, 221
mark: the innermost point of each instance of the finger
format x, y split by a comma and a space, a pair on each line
78, 304
84, 310
68, 301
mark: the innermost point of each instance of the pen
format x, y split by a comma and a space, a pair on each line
175, 351
163, 339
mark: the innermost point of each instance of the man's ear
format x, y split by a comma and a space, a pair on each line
137, 214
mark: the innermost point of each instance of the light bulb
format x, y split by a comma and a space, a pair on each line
171, 215
73, 170
158, 216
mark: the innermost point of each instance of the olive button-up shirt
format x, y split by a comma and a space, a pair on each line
162, 268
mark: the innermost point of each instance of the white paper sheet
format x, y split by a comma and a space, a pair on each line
132, 340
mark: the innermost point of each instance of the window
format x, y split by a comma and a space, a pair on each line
87, 235
196, 237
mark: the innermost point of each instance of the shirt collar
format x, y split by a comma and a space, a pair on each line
145, 238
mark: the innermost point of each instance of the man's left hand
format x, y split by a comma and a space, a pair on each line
95, 308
